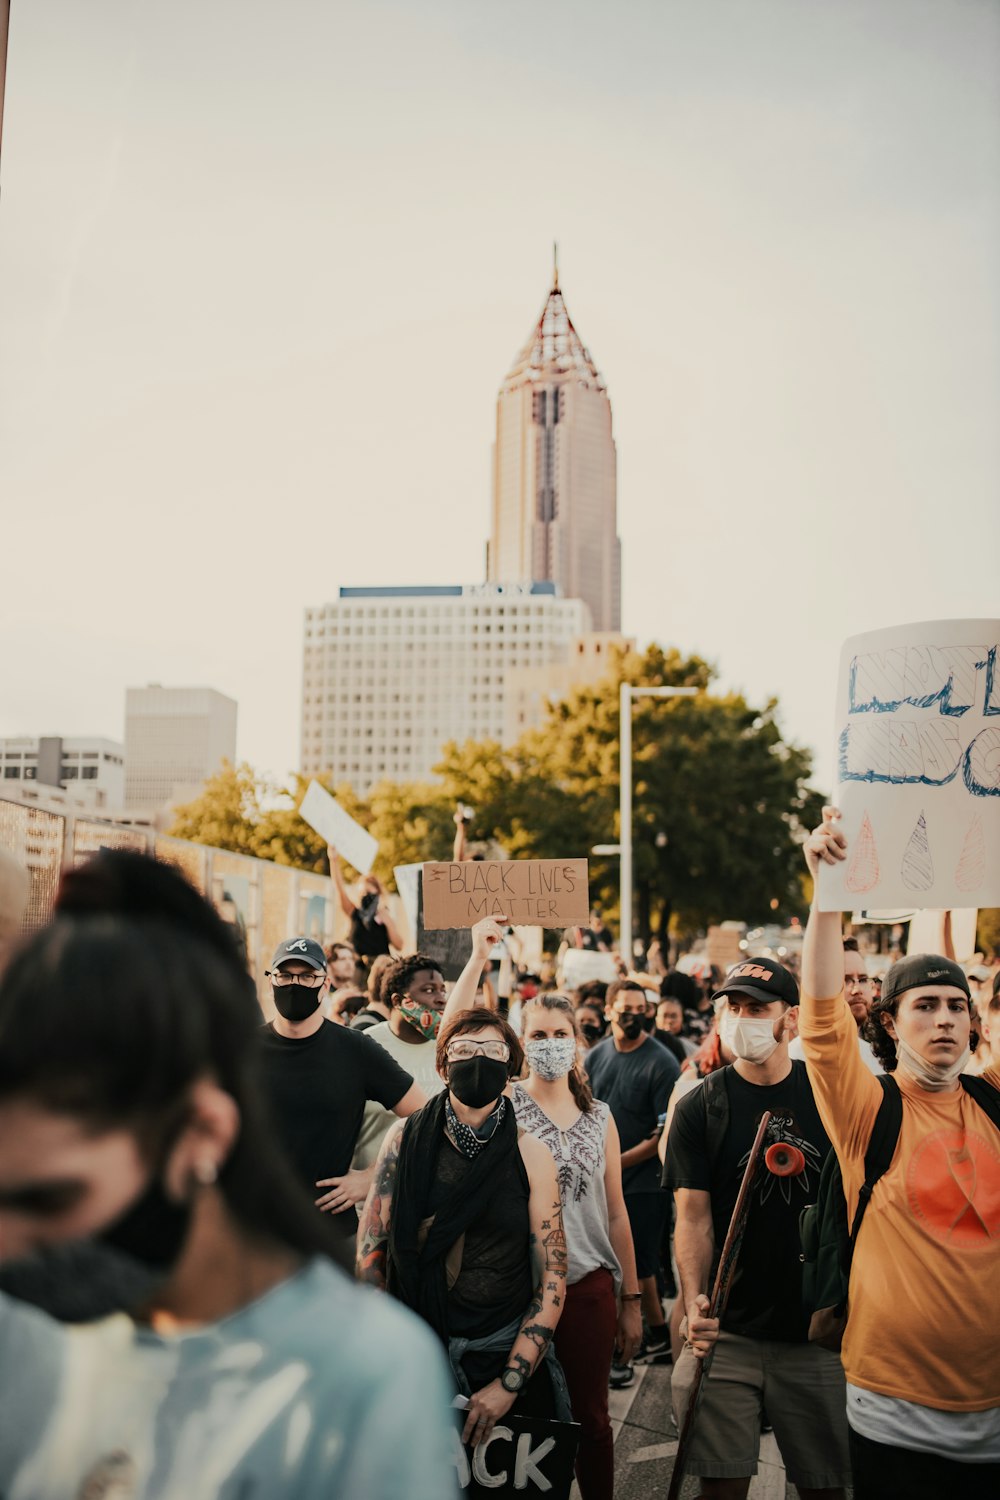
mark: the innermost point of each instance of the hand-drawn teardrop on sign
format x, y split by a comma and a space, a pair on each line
971, 868
863, 873
918, 867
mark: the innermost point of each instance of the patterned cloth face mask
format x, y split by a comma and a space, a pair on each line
551, 1057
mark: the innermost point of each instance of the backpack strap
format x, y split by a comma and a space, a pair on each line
715, 1098
985, 1095
881, 1148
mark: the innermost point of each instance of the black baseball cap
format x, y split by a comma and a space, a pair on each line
919, 969
762, 978
306, 950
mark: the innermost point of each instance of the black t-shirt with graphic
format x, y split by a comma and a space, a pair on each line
318, 1087
766, 1296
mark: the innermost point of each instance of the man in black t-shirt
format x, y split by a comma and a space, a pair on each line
319, 1077
762, 1357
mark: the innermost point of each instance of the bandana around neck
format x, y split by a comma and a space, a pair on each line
470, 1142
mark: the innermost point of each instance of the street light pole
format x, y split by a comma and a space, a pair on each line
626, 694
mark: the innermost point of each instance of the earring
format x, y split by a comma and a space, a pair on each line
206, 1171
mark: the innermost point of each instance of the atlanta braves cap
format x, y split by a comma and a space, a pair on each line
763, 979
306, 950
919, 969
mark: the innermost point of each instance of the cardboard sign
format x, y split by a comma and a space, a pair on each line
332, 823
918, 742
522, 1457
530, 892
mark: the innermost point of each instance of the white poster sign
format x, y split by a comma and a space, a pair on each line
581, 965
918, 758
332, 823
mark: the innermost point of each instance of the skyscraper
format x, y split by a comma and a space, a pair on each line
555, 512
175, 738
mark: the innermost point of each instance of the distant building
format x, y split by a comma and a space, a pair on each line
528, 690
555, 514
391, 674
175, 738
92, 770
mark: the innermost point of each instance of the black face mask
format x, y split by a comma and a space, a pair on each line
649, 1023
631, 1026
118, 1270
593, 1032
296, 1002
478, 1081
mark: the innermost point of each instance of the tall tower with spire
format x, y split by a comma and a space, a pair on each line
555, 508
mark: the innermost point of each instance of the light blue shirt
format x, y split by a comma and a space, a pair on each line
319, 1390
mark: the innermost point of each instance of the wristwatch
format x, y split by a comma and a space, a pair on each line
512, 1380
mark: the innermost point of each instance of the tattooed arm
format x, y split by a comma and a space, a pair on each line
548, 1251
373, 1231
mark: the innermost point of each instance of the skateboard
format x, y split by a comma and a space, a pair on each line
723, 1282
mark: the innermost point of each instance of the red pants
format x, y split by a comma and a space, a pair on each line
585, 1341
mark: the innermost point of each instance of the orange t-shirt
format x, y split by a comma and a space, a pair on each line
923, 1309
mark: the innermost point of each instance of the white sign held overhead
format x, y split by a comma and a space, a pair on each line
918, 758
324, 814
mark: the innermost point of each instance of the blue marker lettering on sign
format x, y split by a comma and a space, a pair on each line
981, 766
921, 676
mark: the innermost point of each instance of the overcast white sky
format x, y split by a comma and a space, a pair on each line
262, 269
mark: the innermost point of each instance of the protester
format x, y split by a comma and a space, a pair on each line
920, 1349
669, 1026
376, 1008
318, 1078
417, 995
859, 994
697, 1006
138, 1175
591, 1021
554, 1103
762, 1356
464, 1225
341, 965
631, 1073
373, 930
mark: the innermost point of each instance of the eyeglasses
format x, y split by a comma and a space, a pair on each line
463, 1049
312, 980
853, 979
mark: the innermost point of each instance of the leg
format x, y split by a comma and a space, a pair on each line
726, 1435
806, 1399
647, 1213
585, 1338
882, 1472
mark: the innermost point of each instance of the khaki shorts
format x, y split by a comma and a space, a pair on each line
802, 1387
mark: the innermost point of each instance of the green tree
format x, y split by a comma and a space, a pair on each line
988, 932
226, 812
719, 798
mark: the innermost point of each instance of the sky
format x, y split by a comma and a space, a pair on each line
263, 269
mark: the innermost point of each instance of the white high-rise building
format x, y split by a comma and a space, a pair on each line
555, 510
175, 738
90, 768
391, 674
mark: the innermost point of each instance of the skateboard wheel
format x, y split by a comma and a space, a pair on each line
783, 1160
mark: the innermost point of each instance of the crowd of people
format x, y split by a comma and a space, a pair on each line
268, 1253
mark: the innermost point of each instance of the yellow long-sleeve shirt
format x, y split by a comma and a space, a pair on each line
923, 1309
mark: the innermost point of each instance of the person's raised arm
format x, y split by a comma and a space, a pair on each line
548, 1249
347, 906
373, 1231
485, 933
460, 852
823, 946
629, 1335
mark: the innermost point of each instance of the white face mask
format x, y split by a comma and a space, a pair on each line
933, 1076
551, 1057
753, 1041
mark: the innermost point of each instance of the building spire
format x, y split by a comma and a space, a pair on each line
555, 265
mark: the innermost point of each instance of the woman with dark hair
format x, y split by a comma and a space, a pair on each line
373, 931
464, 1225
138, 1174
602, 1308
